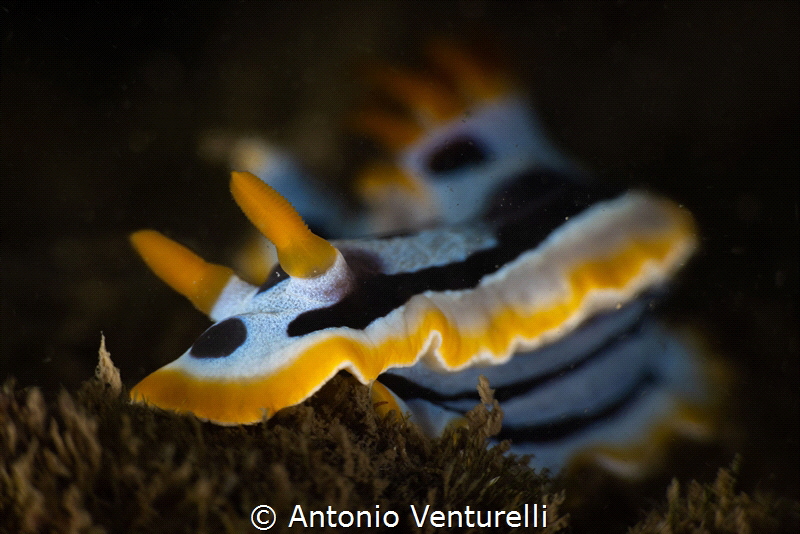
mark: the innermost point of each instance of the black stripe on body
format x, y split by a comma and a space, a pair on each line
523, 226
408, 390
557, 430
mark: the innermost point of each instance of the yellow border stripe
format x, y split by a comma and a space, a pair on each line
247, 401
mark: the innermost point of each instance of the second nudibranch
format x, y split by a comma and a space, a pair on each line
446, 299
511, 264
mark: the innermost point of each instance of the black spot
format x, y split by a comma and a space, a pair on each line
457, 154
220, 339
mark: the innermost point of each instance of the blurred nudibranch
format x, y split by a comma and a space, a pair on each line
481, 250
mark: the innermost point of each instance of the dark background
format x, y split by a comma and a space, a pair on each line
104, 105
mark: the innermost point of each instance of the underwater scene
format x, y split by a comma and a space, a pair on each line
449, 266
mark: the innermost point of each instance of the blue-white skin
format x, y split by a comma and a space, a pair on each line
519, 144
510, 134
631, 346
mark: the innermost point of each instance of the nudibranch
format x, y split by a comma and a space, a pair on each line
516, 267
